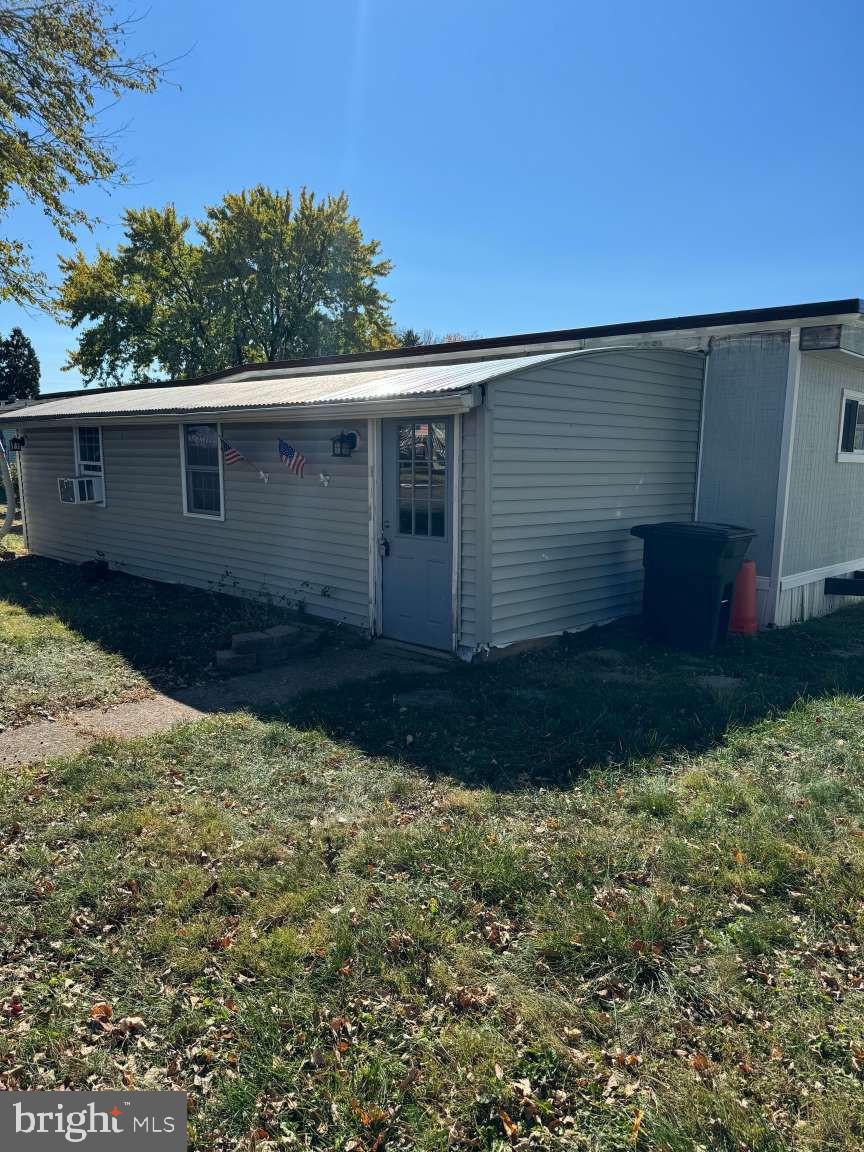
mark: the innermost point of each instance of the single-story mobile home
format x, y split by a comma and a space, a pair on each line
472, 496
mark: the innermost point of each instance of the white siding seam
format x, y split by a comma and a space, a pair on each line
787, 445
373, 441
456, 505
701, 433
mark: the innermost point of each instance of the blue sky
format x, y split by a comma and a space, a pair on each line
525, 165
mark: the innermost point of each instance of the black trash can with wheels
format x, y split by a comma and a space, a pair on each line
690, 572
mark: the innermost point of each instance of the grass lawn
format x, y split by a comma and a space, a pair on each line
13, 541
68, 640
595, 898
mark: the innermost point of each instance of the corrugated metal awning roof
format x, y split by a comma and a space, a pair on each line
301, 391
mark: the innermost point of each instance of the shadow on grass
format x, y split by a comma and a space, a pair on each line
601, 698
168, 632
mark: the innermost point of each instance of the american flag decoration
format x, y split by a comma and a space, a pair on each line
294, 460
230, 455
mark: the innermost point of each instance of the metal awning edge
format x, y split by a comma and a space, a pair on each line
441, 404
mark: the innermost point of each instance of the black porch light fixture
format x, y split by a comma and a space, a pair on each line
345, 443
16, 444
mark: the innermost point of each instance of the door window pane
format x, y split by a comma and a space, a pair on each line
422, 478
436, 518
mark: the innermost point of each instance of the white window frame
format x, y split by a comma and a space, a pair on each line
85, 467
202, 515
856, 456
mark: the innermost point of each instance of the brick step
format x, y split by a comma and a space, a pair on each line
273, 646
236, 662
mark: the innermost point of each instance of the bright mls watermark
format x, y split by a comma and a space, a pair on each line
47, 1121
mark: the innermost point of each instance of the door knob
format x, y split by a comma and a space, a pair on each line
384, 546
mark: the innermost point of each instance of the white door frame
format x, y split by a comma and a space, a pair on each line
456, 521
376, 496
374, 440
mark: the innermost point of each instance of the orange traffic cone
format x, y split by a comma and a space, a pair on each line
744, 620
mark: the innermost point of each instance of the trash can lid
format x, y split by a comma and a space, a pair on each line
694, 530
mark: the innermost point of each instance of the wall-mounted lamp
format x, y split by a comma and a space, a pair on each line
345, 443
16, 444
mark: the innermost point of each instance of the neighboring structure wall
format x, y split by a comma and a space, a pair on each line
581, 451
468, 590
825, 520
293, 541
745, 395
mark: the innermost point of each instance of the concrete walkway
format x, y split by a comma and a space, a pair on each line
74, 731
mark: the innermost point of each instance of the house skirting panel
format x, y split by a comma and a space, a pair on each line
807, 601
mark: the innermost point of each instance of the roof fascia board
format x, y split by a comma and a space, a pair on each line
686, 339
635, 334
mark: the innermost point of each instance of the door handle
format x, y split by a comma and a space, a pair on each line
383, 545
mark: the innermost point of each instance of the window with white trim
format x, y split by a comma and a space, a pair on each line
202, 470
852, 427
89, 458
88, 451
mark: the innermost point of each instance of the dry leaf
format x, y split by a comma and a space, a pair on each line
130, 1025
510, 1128
101, 1010
637, 1124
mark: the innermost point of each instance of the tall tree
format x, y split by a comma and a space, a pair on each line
413, 338
19, 368
261, 277
60, 60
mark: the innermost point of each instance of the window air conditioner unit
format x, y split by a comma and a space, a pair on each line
80, 489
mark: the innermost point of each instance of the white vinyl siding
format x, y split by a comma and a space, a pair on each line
581, 451
745, 396
291, 541
825, 520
